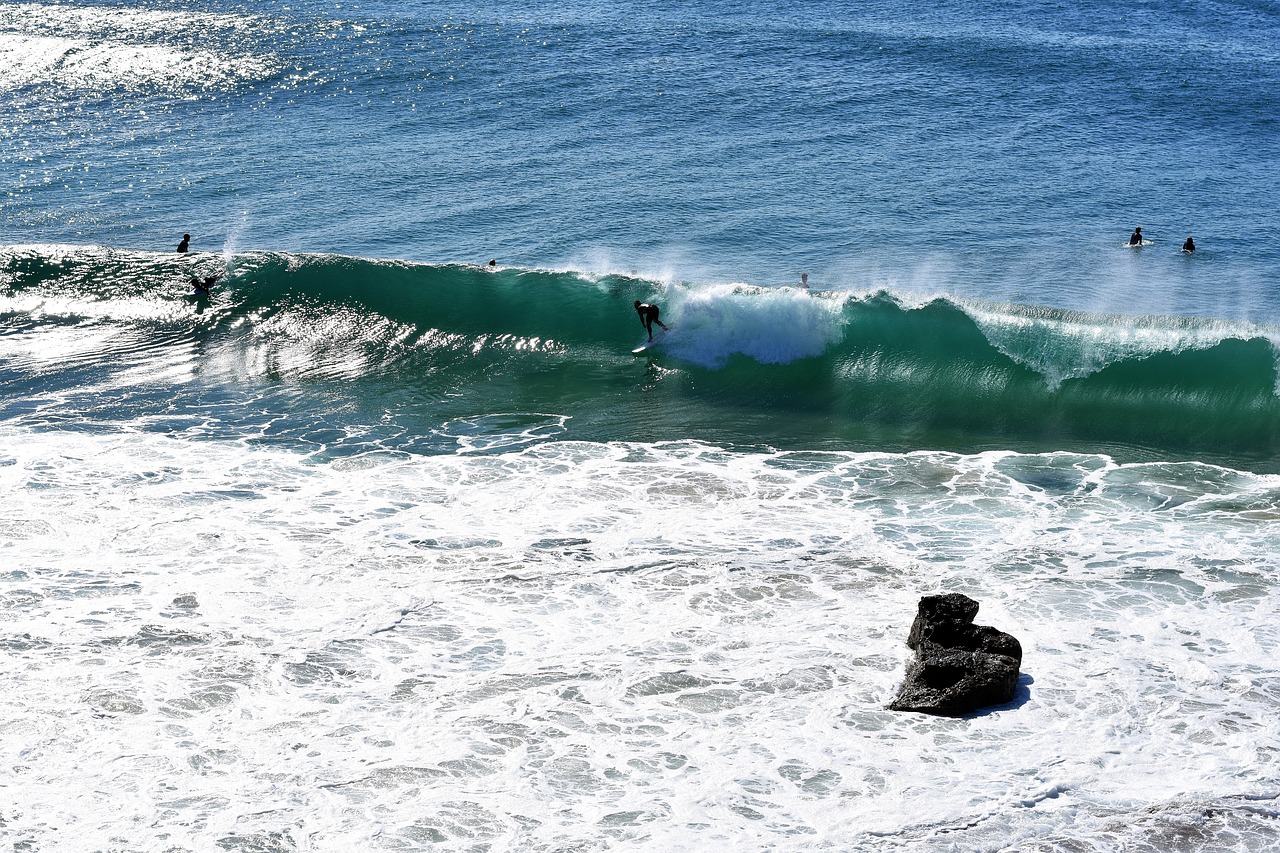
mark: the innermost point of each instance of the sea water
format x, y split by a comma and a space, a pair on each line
380, 547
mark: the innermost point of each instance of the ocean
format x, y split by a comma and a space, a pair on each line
389, 542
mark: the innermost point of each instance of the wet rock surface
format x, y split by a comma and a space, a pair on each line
959, 666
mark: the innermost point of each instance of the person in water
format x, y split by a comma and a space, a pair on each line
206, 285
1189, 246
1135, 239
648, 316
804, 280
186, 242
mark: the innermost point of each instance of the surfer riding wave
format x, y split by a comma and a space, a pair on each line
648, 316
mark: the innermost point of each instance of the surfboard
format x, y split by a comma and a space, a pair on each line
648, 345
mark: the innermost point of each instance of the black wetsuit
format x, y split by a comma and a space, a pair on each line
648, 316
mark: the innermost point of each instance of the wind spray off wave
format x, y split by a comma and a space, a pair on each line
422, 346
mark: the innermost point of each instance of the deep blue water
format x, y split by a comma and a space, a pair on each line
998, 151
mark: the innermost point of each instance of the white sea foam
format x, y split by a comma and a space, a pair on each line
667, 647
770, 325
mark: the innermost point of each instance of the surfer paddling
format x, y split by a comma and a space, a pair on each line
648, 316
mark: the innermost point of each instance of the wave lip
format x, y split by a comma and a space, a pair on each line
1060, 344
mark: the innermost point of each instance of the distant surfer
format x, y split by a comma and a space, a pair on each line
1135, 239
1189, 246
648, 316
185, 244
493, 263
804, 280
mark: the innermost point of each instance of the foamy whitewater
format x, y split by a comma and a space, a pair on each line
377, 546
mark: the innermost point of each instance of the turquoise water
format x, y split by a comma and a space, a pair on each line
377, 547
346, 356
957, 155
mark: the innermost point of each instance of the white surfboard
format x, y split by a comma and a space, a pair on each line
648, 345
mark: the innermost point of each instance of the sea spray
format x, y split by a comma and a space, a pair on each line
419, 346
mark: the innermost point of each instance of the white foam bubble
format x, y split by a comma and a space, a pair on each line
658, 646
770, 325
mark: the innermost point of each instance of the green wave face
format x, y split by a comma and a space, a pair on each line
439, 358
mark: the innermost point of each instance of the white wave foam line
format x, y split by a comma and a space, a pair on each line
1061, 345
667, 646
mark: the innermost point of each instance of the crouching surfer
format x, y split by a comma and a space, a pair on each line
648, 316
203, 287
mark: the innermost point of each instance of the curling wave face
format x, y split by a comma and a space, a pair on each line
347, 353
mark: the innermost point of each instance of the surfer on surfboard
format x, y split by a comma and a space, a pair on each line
203, 287
1135, 239
648, 316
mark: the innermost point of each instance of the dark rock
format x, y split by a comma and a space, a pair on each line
935, 609
959, 667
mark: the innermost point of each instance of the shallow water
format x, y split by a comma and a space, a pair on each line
599, 644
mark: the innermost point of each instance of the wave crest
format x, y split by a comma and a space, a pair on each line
761, 364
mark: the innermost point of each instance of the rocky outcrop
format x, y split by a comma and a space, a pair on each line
959, 666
